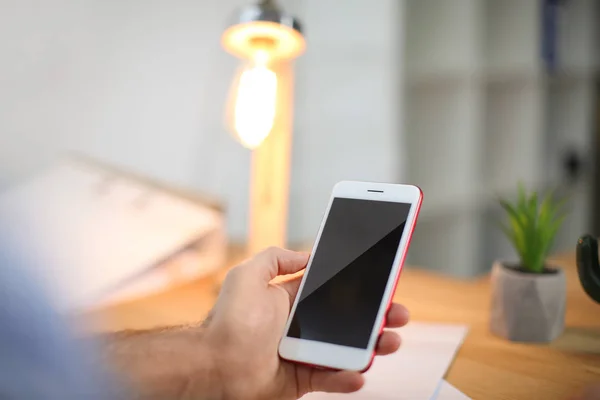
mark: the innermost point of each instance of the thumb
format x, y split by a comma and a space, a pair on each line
291, 286
276, 261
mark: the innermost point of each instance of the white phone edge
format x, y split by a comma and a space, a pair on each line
339, 357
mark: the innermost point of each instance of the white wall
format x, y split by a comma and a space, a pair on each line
143, 83
348, 102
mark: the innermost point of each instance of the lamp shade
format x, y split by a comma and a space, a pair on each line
264, 27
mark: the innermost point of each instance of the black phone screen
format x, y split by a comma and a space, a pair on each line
349, 272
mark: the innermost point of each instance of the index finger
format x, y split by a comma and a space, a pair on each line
397, 316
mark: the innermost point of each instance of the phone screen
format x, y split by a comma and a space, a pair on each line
349, 272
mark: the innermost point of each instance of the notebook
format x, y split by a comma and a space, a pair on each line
448, 392
90, 230
416, 371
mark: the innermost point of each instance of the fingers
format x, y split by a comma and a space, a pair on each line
336, 382
388, 343
276, 261
397, 316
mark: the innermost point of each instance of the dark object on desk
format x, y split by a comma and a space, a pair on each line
588, 266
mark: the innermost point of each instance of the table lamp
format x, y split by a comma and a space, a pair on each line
260, 112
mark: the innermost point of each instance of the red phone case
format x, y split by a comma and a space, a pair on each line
397, 278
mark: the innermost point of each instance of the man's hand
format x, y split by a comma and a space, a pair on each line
244, 329
233, 355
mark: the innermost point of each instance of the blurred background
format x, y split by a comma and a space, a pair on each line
464, 98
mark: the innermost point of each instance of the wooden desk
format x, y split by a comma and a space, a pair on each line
485, 368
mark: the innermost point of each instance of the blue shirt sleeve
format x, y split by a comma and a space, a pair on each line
39, 357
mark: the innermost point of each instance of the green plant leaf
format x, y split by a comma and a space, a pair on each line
513, 212
515, 231
550, 235
546, 212
530, 227
532, 224
510, 234
515, 235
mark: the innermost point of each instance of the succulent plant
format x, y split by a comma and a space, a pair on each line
532, 227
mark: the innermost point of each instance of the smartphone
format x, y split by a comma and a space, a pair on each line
351, 276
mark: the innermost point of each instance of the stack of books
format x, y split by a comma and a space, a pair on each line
95, 234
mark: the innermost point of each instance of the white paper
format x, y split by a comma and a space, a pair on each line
87, 230
449, 392
415, 371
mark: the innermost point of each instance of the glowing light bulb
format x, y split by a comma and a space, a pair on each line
256, 103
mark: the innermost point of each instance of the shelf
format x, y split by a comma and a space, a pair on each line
577, 47
441, 34
569, 123
442, 137
498, 75
573, 75
482, 114
577, 221
512, 151
495, 76
477, 202
569, 127
511, 31
448, 244
440, 77
442, 206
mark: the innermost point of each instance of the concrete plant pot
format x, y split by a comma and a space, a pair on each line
527, 307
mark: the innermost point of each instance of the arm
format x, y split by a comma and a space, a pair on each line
164, 363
